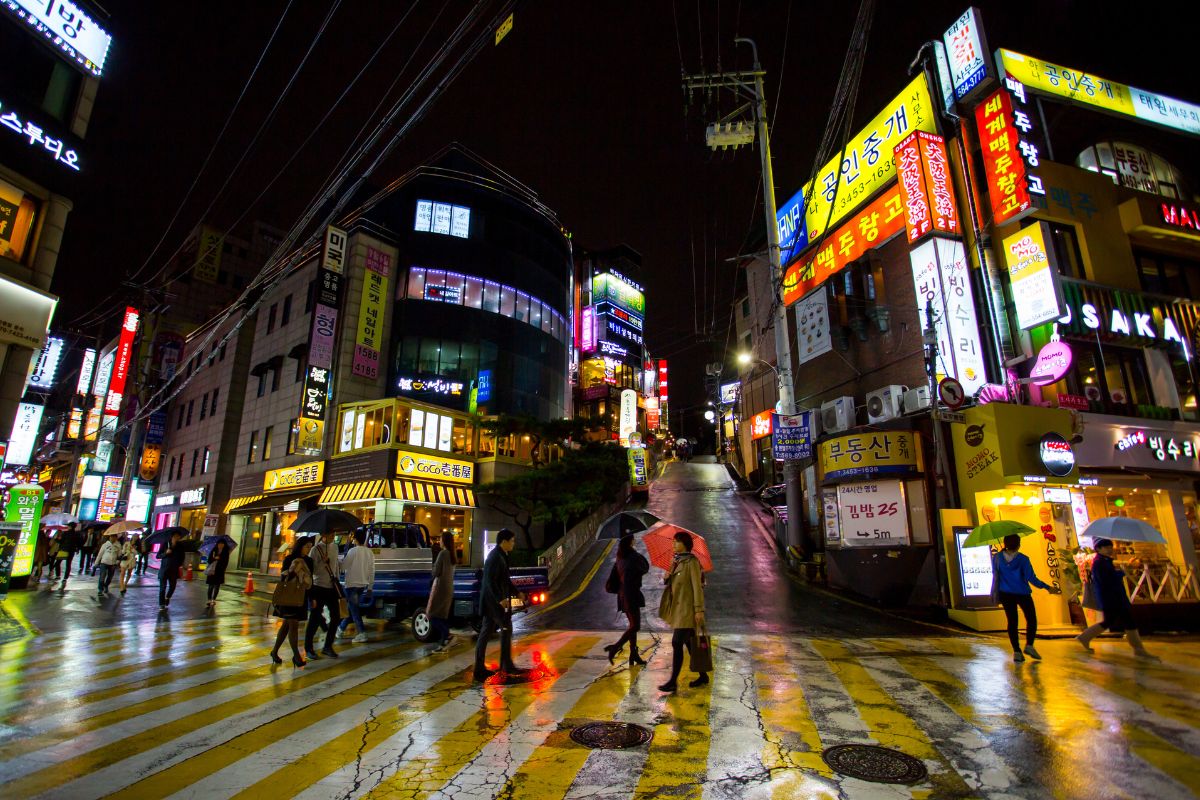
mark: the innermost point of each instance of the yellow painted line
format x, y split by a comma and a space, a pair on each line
428, 770
582, 585
1164, 756
945, 686
65, 771
793, 741
677, 760
47, 653
887, 722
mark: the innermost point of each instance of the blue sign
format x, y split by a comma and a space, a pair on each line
483, 389
791, 436
156, 428
793, 228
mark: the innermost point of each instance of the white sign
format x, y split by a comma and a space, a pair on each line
974, 567
967, 52
729, 392
829, 505
86, 369
164, 500
64, 25
1056, 494
812, 325
138, 507
941, 276
25, 312
192, 497
628, 413
24, 434
443, 218
39, 138
872, 514
45, 369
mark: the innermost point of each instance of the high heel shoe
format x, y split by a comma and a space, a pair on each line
276, 659
299, 662
634, 658
612, 651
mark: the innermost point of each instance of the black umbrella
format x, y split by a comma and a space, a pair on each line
164, 536
326, 520
629, 521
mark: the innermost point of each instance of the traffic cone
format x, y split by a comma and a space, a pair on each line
249, 583
188, 575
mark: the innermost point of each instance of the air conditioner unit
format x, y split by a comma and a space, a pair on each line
885, 403
837, 415
916, 400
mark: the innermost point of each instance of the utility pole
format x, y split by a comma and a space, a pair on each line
731, 133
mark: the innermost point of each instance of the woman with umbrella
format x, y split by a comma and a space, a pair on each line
682, 607
218, 561
129, 557
626, 579
297, 566
1114, 602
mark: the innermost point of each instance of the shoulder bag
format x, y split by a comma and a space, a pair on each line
613, 584
1089, 599
289, 592
701, 657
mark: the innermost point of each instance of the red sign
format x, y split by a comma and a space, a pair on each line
116, 385
925, 190
873, 226
1003, 165
1181, 216
760, 425
1073, 401
918, 220
662, 378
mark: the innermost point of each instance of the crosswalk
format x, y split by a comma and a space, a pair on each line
195, 709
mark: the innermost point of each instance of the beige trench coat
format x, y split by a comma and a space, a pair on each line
683, 595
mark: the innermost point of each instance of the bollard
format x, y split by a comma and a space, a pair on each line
249, 583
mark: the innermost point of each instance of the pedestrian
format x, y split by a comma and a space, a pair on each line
92, 547
626, 580
41, 554
72, 542
1109, 583
107, 559
441, 593
1012, 573
495, 608
170, 561
359, 566
57, 556
682, 608
143, 555
129, 554
297, 566
326, 592
214, 573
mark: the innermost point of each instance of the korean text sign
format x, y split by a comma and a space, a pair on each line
25, 508
866, 455
872, 514
924, 180
67, 28
869, 229
967, 52
1003, 165
1036, 290
868, 165
941, 278
791, 436
371, 314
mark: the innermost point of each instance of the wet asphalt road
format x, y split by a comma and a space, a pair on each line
749, 590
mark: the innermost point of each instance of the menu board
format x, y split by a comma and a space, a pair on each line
974, 566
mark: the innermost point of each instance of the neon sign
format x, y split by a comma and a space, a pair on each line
38, 136
67, 28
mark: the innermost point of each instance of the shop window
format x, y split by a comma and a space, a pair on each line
1168, 275
286, 314
195, 462
491, 297
252, 450
207, 454
473, 297
416, 283
463, 439
179, 420
1066, 249
18, 214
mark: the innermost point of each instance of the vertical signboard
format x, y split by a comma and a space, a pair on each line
812, 326
124, 357
99, 388
639, 475
1003, 165
628, 415
24, 433
314, 397
792, 436
45, 367
662, 392
24, 508
941, 276
110, 496
587, 333
967, 53
86, 369
1033, 273
371, 313
208, 255
924, 179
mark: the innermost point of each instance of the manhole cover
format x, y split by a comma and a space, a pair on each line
611, 735
876, 764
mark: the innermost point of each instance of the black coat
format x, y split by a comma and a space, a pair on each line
1110, 591
629, 574
217, 566
496, 586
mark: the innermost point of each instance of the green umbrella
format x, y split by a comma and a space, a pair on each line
996, 531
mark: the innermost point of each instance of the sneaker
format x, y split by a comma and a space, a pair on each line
311, 655
1018, 656
344, 633
1146, 655
1032, 652
1083, 644
360, 639
701, 681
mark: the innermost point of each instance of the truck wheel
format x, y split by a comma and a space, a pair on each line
422, 627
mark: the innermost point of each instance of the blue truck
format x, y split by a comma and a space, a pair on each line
403, 565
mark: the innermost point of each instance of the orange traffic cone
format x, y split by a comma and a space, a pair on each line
188, 575
249, 583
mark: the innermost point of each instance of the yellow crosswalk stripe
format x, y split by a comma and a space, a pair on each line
71, 769
949, 689
435, 766
1164, 756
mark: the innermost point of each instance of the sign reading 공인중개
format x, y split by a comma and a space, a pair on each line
1033, 273
868, 454
422, 466
868, 166
300, 476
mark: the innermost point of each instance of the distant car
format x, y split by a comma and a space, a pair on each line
771, 496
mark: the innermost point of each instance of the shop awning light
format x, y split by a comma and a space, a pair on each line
999, 500
1033, 500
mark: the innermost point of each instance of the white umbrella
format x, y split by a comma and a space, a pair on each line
1124, 529
59, 519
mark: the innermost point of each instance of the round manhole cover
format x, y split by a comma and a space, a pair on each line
611, 735
876, 764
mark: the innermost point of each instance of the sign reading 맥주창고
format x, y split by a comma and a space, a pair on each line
868, 454
289, 479
1003, 167
411, 464
872, 514
1033, 273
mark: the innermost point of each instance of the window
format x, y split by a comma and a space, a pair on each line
286, 314
191, 407
745, 307
275, 376
300, 368
204, 406
33, 76
204, 468
179, 422
266, 445
293, 435
1169, 275
271, 317
222, 351
262, 383
1065, 242
179, 472
171, 469
213, 409
195, 460
308, 298
252, 450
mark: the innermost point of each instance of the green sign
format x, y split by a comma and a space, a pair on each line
24, 508
620, 293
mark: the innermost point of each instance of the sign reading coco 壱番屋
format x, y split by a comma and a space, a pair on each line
300, 476
1125, 317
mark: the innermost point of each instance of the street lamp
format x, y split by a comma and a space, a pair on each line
746, 359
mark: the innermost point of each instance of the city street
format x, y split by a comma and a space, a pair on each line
114, 700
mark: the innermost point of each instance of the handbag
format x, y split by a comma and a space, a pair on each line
701, 657
1089, 599
613, 584
343, 604
288, 593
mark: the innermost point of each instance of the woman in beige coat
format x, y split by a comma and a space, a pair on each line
682, 607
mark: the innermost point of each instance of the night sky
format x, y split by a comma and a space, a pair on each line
582, 102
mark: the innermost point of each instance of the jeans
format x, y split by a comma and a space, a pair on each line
213, 588
353, 596
1010, 602
167, 578
322, 597
106, 573
488, 626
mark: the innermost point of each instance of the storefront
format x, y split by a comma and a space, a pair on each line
261, 523
1014, 463
165, 513
875, 512
193, 510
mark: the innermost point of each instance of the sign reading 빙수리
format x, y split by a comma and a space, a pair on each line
866, 455
1037, 292
411, 464
300, 476
868, 166
941, 278
872, 514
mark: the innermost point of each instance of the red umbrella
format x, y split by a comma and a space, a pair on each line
659, 541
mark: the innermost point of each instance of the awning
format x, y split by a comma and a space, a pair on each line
238, 502
260, 503
356, 492
435, 494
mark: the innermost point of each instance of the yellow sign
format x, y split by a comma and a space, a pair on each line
995, 446
151, 462
865, 456
310, 436
504, 28
370, 325
868, 163
298, 477
208, 256
1037, 296
410, 464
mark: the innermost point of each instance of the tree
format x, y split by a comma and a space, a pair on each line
556, 430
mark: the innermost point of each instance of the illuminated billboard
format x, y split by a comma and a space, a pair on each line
620, 291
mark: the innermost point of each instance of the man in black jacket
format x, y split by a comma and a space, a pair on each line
494, 594
170, 561
72, 541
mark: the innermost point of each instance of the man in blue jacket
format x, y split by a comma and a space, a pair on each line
1012, 573
495, 613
